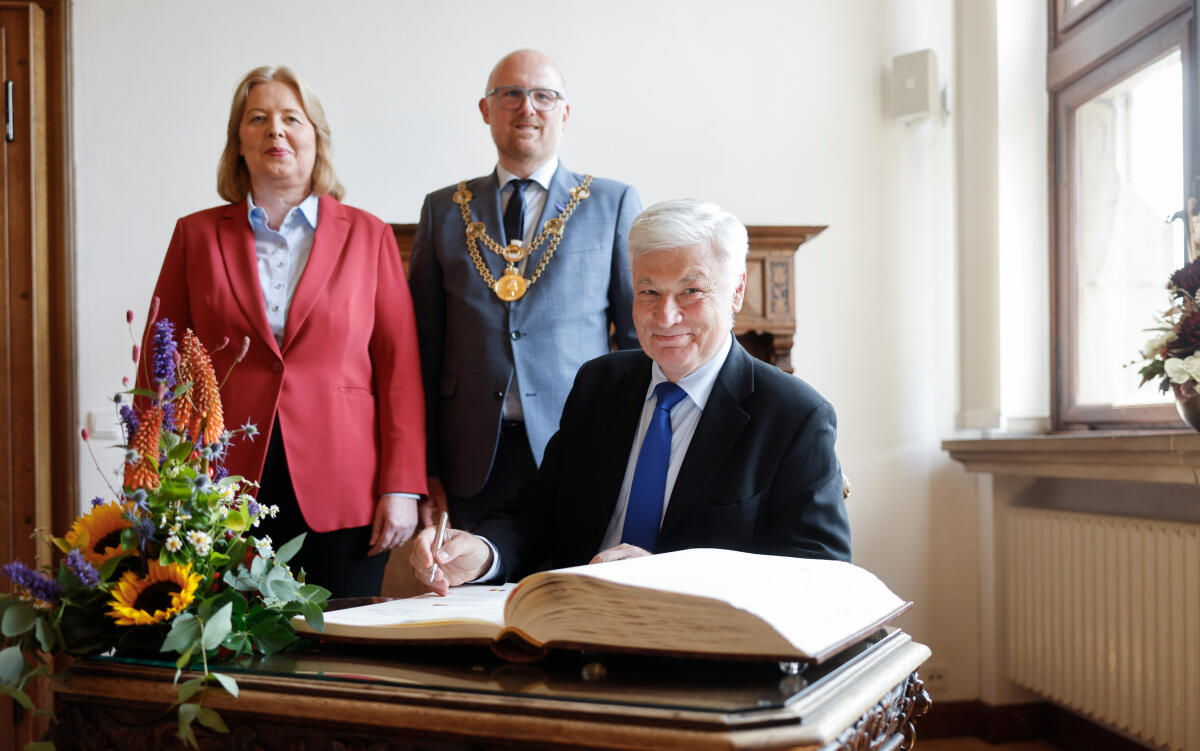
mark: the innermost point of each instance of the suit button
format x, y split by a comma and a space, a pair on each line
277, 367
516, 335
499, 395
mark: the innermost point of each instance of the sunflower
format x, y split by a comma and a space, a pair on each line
98, 533
164, 593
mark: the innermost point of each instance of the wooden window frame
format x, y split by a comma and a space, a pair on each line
1106, 42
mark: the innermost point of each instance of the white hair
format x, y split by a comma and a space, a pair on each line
688, 222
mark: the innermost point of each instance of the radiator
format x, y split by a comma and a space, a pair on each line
1103, 616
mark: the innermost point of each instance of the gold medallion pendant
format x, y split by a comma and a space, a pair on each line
511, 286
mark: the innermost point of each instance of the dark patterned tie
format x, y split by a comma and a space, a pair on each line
644, 512
514, 214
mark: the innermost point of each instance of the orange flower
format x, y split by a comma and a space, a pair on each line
204, 410
142, 473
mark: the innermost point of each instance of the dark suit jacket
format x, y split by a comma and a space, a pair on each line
472, 342
760, 474
344, 383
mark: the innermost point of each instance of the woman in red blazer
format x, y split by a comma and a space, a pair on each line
331, 377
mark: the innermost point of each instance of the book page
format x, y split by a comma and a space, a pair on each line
468, 612
813, 604
477, 602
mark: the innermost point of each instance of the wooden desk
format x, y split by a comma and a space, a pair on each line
453, 698
767, 323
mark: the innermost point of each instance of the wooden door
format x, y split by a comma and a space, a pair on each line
25, 499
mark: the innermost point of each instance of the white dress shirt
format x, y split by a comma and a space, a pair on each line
282, 255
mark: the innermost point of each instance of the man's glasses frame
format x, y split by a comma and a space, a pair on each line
513, 98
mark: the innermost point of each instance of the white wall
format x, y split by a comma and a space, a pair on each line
774, 108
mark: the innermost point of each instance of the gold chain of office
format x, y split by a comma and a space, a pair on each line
511, 285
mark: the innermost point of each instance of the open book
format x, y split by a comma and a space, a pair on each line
696, 603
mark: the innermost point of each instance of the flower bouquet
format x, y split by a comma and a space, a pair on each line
169, 563
1172, 356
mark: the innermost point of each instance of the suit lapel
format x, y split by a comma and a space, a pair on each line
558, 196
236, 241
329, 242
485, 207
613, 441
720, 425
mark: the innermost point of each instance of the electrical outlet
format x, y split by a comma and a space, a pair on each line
936, 678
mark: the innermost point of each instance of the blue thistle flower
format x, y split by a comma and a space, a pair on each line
201, 482
250, 429
97, 501
220, 473
39, 586
130, 420
84, 571
139, 499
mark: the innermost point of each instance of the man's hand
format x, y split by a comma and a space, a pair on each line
624, 550
395, 522
463, 558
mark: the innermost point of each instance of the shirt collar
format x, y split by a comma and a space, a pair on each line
699, 383
308, 209
542, 175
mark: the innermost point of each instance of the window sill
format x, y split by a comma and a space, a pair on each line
1167, 456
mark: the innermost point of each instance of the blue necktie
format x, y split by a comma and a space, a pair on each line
514, 213
644, 512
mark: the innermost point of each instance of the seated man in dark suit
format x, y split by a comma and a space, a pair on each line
737, 455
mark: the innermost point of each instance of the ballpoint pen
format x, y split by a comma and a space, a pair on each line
443, 525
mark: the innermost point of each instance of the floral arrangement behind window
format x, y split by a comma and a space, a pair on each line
169, 562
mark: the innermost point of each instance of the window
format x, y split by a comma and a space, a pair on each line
1123, 138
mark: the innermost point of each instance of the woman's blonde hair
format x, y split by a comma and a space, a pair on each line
233, 177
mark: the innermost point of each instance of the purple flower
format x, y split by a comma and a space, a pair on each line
39, 586
220, 473
253, 509
139, 499
164, 362
130, 420
97, 501
168, 416
84, 571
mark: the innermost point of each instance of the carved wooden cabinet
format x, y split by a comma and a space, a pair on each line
767, 323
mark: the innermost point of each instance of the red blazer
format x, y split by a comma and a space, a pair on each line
346, 382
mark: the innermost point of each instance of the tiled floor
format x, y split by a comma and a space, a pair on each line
975, 744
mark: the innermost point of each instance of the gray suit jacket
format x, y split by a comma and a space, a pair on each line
472, 342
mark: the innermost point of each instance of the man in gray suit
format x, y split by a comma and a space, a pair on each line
517, 278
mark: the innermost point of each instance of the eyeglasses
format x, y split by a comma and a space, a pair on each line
513, 97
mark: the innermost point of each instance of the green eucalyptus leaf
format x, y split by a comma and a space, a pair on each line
209, 718
273, 637
185, 633
314, 616
240, 580
188, 688
185, 659
181, 388
218, 627
143, 392
258, 567
18, 619
228, 683
217, 560
12, 664
44, 634
314, 593
187, 715
18, 695
290, 548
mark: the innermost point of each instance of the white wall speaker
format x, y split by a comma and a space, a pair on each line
914, 85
